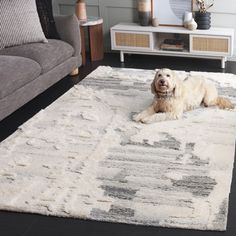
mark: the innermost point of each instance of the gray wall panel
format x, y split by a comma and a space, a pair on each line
115, 11
111, 11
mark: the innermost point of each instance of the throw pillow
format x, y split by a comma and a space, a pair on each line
46, 18
19, 23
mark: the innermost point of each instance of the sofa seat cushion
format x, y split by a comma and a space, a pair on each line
15, 72
48, 55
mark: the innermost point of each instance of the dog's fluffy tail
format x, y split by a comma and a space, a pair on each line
224, 103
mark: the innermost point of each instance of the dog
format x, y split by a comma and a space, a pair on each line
174, 96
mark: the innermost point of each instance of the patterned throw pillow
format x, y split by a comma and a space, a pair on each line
19, 23
46, 18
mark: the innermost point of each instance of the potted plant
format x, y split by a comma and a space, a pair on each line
203, 17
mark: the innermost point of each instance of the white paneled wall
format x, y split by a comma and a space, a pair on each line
115, 11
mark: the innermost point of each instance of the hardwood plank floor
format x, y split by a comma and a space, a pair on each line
19, 224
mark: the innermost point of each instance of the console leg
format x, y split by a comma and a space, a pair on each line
74, 72
223, 61
122, 59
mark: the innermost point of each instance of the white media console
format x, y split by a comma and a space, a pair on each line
131, 38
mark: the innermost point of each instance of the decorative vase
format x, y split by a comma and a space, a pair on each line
80, 10
155, 22
144, 12
188, 16
192, 25
203, 20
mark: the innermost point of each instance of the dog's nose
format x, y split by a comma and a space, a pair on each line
162, 81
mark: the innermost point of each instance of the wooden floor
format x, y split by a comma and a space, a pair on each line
17, 224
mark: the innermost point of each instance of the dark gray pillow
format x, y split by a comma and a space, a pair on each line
44, 8
19, 23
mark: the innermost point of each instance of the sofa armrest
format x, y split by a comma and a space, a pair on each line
69, 30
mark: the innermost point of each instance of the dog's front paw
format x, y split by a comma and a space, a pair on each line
137, 117
158, 117
147, 120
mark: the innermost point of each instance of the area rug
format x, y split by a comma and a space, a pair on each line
84, 157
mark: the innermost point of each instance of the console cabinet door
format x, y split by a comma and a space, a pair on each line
134, 41
210, 45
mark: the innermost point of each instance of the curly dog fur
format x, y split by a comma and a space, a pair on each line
174, 96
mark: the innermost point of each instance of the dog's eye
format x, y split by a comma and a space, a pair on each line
159, 75
168, 75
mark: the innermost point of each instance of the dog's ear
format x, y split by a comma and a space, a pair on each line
178, 88
153, 86
156, 70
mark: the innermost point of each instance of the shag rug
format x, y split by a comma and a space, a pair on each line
84, 157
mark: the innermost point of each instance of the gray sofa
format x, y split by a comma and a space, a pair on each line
28, 70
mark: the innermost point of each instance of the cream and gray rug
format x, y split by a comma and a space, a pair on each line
84, 157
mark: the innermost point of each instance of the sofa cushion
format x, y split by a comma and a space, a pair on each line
47, 55
19, 23
15, 73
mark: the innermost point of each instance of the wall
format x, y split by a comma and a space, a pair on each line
224, 15
115, 11
112, 12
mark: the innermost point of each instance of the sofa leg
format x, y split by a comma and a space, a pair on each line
74, 72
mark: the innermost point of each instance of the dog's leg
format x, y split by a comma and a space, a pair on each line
210, 98
146, 113
158, 117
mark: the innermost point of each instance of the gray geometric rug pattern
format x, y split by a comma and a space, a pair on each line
84, 157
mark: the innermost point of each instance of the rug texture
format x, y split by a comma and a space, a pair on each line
84, 157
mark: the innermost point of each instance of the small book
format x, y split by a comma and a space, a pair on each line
173, 41
169, 47
172, 45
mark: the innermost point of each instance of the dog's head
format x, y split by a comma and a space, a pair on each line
165, 81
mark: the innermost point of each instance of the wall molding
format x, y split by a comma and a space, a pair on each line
119, 10
113, 12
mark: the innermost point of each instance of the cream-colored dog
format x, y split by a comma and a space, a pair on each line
174, 96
